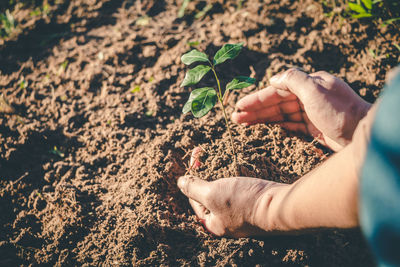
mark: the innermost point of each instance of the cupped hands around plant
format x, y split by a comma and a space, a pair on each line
202, 100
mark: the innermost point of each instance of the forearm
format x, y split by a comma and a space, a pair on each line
325, 197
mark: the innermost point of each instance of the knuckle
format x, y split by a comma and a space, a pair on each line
290, 73
322, 73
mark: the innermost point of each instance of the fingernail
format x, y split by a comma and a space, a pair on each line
182, 182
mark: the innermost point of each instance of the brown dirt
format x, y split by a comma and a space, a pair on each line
88, 168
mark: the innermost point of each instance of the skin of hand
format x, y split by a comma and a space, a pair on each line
325, 197
243, 206
318, 104
231, 206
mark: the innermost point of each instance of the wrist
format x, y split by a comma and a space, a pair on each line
355, 115
269, 212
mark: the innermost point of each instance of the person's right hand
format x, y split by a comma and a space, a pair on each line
318, 104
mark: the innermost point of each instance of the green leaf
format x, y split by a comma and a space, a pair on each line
194, 43
367, 4
389, 21
194, 94
135, 89
363, 15
204, 101
194, 56
194, 75
240, 82
357, 8
188, 106
228, 51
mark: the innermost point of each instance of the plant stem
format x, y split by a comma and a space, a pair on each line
219, 94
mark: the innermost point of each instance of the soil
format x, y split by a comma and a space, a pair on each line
93, 139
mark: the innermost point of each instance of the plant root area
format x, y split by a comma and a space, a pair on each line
92, 138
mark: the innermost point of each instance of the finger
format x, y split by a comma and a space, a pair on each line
299, 83
194, 158
295, 117
194, 188
215, 225
199, 209
295, 127
263, 98
280, 112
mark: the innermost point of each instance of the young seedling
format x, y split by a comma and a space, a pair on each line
202, 100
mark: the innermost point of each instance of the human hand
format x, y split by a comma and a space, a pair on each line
318, 104
236, 207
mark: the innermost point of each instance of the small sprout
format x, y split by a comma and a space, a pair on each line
46, 9
239, 4
35, 12
109, 122
143, 21
194, 43
23, 83
202, 100
372, 53
57, 152
20, 120
389, 22
204, 11
39, 195
151, 79
135, 89
182, 9
149, 113
46, 78
63, 67
7, 23
63, 98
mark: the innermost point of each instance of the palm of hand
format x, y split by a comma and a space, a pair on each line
318, 104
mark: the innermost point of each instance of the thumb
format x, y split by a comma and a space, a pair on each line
296, 81
194, 188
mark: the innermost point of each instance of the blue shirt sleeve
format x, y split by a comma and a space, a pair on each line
380, 180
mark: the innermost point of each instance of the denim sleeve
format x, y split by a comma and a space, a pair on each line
380, 180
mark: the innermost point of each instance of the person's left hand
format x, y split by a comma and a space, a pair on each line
236, 207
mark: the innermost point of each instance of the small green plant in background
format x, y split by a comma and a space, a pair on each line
361, 9
386, 10
39, 11
182, 9
380, 12
202, 100
57, 152
199, 14
7, 24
